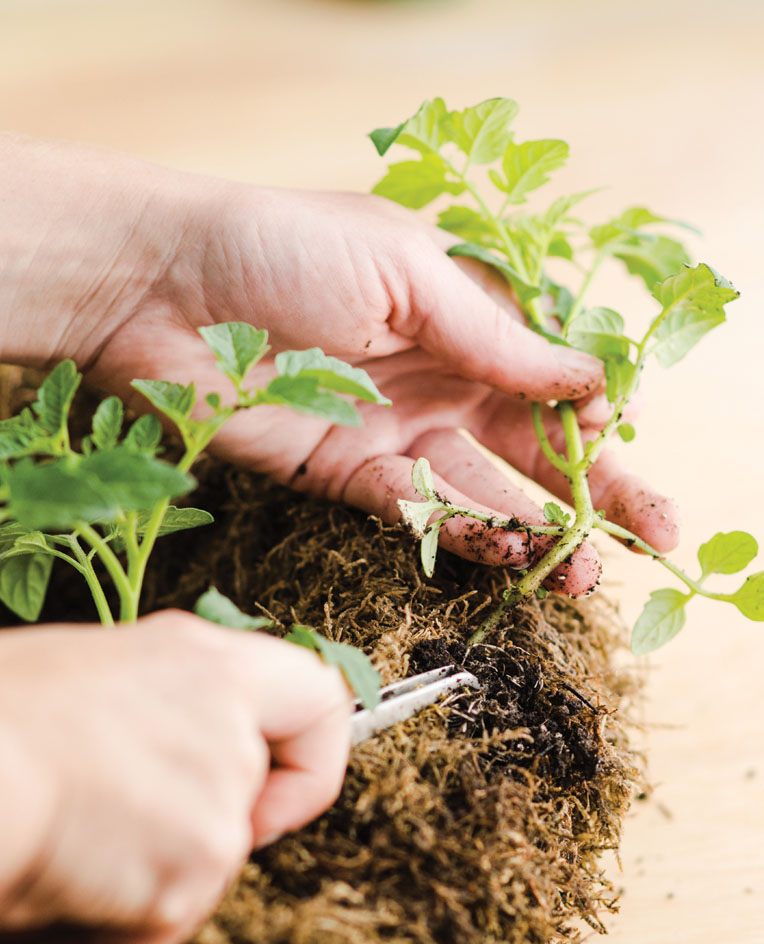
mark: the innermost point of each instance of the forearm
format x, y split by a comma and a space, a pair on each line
86, 238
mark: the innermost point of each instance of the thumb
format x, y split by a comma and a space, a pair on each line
450, 316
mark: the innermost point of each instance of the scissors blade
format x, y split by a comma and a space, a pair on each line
403, 699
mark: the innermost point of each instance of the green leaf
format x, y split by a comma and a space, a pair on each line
560, 248
10, 533
428, 129
213, 400
302, 395
57, 496
523, 290
214, 606
559, 209
653, 258
360, 674
637, 216
96, 488
693, 303
619, 377
32, 539
107, 423
626, 431
135, 480
527, 167
599, 331
181, 519
609, 235
647, 255
172, 399
24, 583
416, 515
422, 480
727, 553
144, 435
563, 301
414, 184
428, 549
384, 138
237, 346
482, 131
22, 435
469, 225
175, 519
329, 373
660, 620
55, 396
555, 515
749, 599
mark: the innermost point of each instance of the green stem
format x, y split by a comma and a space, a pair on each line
137, 565
139, 558
633, 541
498, 225
508, 524
555, 458
571, 539
84, 565
114, 568
598, 444
585, 285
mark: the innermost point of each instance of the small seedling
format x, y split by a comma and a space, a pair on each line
518, 244
110, 500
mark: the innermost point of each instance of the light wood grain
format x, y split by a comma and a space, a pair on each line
661, 102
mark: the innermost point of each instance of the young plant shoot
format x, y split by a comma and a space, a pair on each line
111, 499
688, 302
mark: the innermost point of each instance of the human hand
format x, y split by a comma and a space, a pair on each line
367, 281
137, 768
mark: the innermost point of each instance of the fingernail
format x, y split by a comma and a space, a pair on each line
577, 360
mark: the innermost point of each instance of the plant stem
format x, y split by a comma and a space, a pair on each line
579, 299
598, 444
578, 465
85, 567
138, 557
509, 524
633, 541
498, 225
558, 461
114, 568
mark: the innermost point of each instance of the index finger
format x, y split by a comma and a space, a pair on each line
442, 309
305, 707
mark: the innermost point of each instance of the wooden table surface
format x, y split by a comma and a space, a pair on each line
661, 102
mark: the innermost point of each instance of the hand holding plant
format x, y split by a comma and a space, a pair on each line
161, 254
451, 146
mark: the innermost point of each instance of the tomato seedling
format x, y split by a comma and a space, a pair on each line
690, 301
110, 500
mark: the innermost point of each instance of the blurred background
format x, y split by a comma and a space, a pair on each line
661, 104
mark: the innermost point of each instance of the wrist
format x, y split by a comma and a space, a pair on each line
87, 238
